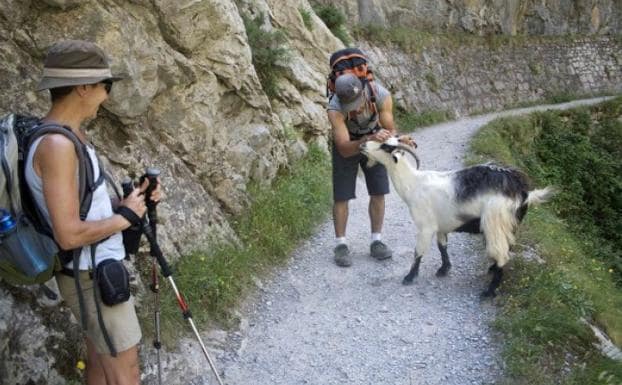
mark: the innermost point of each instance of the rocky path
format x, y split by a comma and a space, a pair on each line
316, 323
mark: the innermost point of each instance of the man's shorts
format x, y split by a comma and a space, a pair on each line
120, 320
344, 176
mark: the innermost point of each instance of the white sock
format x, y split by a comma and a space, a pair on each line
375, 237
341, 241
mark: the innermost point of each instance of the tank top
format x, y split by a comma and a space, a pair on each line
101, 208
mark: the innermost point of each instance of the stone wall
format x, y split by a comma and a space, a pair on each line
477, 77
194, 107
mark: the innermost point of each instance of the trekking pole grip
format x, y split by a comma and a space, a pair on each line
152, 175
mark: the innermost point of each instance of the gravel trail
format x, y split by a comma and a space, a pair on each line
315, 323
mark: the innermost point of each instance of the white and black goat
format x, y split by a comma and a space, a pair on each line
485, 199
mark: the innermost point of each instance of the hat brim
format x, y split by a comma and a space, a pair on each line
353, 105
52, 82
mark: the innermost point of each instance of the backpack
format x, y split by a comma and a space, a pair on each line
28, 252
354, 61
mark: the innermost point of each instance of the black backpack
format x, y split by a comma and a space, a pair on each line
31, 243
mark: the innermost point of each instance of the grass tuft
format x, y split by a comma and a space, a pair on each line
280, 216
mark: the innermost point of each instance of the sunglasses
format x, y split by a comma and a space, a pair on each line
349, 63
107, 85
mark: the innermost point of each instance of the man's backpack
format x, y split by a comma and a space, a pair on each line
348, 60
353, 61
28, 253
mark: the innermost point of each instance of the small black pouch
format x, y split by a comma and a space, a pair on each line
113, 281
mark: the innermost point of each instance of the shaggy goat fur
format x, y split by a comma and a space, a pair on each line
486, 199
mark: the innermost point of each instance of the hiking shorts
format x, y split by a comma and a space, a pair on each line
120, 320
344, 176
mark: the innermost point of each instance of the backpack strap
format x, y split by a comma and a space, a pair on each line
86, 182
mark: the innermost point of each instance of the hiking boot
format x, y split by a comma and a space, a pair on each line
380, 251
342, 255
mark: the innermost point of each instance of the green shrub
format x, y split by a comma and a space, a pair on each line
334, 20
577, 235
573, 153
267, 50
306, 18
331, 16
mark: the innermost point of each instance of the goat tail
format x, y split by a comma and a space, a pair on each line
539, 196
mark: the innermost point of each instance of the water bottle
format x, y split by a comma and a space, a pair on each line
28, 251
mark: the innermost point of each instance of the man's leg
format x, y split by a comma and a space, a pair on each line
340, 218
377, 186
94, 370
344, 187
122, 369
376, 213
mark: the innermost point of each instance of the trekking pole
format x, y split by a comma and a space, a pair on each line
155, 288
128, 186
149, 229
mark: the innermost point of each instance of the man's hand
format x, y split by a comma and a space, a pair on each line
380, 136
407, 139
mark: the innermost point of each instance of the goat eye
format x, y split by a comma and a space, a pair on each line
387, 147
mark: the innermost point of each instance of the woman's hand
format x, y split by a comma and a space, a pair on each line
136, 200
156, 194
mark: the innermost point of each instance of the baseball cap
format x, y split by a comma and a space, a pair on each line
74, 62
349, 90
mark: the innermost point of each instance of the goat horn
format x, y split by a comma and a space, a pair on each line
411, 151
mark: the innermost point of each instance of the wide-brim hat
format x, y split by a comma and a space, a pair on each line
73, 63
349, 90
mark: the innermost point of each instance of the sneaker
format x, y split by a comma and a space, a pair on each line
342, 255
380, 251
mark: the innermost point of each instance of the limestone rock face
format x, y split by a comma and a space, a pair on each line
193, 106
552, 17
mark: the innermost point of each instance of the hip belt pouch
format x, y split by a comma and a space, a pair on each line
113, 281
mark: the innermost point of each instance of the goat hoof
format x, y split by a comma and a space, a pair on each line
407, 280
442, 272
488, 294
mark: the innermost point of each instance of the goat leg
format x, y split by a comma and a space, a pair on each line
494, 284
414, 271
491, 269
442, 247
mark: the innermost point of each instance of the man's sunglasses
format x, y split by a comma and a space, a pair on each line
349, 63
107, 85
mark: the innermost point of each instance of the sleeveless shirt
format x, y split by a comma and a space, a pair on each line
101, 208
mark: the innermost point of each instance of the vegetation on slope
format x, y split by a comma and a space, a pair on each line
578, 236
279, 218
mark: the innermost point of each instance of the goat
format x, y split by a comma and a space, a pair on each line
485, 198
